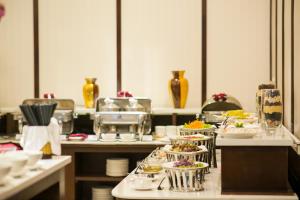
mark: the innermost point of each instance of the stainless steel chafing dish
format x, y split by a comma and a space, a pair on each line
212, 110
64, 113
123, 115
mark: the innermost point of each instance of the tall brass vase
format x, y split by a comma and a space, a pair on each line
178, 88
90, 92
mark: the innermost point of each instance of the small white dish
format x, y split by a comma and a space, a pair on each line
33, 157
18, 161
5, 168
160, 131
127, 136
109, 136
142, 183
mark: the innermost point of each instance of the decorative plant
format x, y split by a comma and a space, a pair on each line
2, 11
220, 97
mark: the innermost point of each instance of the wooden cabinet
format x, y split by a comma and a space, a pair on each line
88, 165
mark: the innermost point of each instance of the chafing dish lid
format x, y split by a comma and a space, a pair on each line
231, 103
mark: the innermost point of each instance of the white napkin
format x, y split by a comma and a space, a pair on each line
35, 137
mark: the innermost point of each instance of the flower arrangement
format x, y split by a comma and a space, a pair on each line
220, 97
2, 11
124, 94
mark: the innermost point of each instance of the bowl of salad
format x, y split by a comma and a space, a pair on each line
197, 127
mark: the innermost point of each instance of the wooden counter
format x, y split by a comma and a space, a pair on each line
255, 166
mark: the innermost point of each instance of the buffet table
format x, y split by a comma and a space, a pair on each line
88, 167
260, 164
35, 182
212, 190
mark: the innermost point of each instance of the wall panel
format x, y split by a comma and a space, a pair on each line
77, 39
287, 65
297, 68
238, 48
16, 53
158, 37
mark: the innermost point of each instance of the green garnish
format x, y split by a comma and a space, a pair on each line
239, 125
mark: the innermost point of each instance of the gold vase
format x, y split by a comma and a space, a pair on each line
178, 88
90, 92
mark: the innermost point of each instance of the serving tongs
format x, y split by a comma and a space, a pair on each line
225, 123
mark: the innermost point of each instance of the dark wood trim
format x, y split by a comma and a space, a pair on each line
248, 164
204, 51
119, 44
36, 48
283, 56
276, 43
292, 65
271, 40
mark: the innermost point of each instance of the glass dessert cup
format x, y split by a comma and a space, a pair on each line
272, 110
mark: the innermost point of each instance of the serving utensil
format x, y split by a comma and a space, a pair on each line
159, 186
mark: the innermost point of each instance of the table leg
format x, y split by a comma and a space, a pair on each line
70, 176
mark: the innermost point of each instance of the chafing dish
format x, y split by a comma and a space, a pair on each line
123, 115
213, 110
64, 113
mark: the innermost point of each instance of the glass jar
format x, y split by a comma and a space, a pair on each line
272, 109
261, 87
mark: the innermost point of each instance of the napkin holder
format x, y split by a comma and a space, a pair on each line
42, 138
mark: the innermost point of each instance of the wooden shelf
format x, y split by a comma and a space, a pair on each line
99, 178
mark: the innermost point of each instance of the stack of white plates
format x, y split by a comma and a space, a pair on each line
100, 193
116, 167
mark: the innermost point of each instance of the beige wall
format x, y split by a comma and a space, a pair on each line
297, 68
77, 39
158, 37
16, 53
238, 48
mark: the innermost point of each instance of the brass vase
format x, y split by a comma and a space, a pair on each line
90, 92
178, 88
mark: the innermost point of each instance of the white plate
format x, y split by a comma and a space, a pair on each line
156, 177
238, 135
167, 148
143, 188
170, 165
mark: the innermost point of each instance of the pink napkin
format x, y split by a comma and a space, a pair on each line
5, 147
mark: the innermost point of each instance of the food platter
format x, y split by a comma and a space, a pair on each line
168, 149
238, 133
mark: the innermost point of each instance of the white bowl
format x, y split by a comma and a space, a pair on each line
18, 161
5, 168
108, 136
127, 136
33, 157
